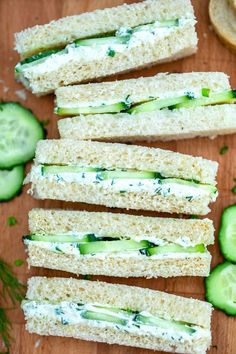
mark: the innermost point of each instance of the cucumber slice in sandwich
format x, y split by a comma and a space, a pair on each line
54, 169
165, 324
173, 248
102, 41
157, 24
99, 316
36, 59
227, 233
228, 96
113, 108
19, 134
11, 182
220, 288
60, 238
112, 246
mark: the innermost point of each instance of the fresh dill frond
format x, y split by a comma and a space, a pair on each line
10, 288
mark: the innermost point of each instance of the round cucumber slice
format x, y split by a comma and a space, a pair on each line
19, 134
227, 234
221, 287
11, 182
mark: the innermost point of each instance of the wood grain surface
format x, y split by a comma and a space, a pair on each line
16, 15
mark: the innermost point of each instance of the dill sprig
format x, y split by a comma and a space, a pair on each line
11, 289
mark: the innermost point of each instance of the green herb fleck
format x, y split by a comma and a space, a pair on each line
193, 217
18, 262
87, 277
224, 149
205, 92
11, 221
233, 190
122, 191
111, 52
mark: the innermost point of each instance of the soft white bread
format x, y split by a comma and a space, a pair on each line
158, 303
106, 155
54, 222
70, 68
156, 125
162, 125
65, 30
223, 19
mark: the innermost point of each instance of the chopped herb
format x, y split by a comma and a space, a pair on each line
193, 217
18, 262
205, 92
190, 95
58, 249
111, 52
11, 221
122, 191
87, 277
234, 190
224, 149
189, 198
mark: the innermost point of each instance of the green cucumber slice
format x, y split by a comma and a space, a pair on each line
165, 324
173, 248
54, 169
227, 233
36, 59
112, 108
112, 246
60, 238
157, 24
157, 104
19, 134
11, 182
129, 174
99, 316
220, 287
208, 187
228, 96
102, 41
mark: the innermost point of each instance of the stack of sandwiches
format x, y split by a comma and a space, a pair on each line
86, 47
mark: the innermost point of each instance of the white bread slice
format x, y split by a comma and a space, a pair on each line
158, 303
65, 30
157, 125
106, 155
223, 19
52, 222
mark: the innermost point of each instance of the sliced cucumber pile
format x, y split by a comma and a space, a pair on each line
221, 287
227, 234
19, 134
11, 182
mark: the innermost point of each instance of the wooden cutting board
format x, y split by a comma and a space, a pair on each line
16, 15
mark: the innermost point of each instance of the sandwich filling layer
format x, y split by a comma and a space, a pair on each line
86, 50
186, 98
90, 245
125, 181
102, 316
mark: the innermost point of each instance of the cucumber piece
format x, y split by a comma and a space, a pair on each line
157, 24
102, 41
36, 59
178, 326
112, 246
227, 233
112, 108
60, 238
11, 182
99, 316
173, 248
55, 169
128, 174
228, 96
19, 134
157, 104
220, 287
208, 187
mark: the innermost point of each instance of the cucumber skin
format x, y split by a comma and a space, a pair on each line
221, 237
17, 190
208, 285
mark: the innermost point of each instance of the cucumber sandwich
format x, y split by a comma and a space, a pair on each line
114, 313
163, 107
104, 42
121, 245
124, 176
